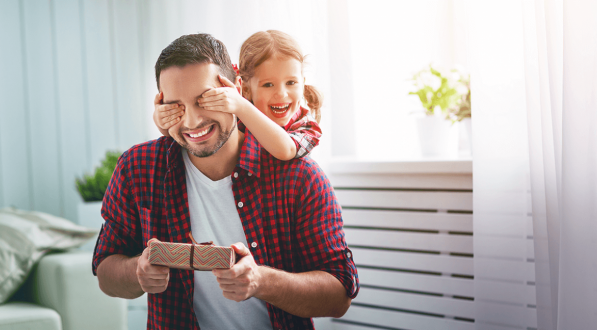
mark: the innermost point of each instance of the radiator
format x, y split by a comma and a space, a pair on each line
409, 225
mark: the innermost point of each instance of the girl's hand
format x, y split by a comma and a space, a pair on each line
166, 115
224, 99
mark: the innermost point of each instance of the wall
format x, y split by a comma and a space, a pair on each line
76, 79
71, 77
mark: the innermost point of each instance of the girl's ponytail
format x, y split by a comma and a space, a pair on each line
314, 100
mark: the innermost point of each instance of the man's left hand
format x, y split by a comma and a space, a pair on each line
242, 281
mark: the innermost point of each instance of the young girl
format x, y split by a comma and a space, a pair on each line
272, 82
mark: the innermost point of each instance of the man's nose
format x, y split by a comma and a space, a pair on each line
193, 116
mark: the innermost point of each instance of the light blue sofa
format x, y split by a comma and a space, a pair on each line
62, 294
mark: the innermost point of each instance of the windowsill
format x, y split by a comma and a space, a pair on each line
407, 166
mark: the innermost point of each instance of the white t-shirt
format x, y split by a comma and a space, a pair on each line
214, 218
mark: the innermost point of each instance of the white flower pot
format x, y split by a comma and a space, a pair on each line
468, 132
90, 216
438, 137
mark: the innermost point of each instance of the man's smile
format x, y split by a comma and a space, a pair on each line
200, 135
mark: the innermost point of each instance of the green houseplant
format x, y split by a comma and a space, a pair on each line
447, 93
92, 187
445, 100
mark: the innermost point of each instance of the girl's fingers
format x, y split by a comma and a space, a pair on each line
171, 112
220, 108
225, 81
166, 107
212, 92
210, 98
212, 102
171, 117
171, 123
158, 98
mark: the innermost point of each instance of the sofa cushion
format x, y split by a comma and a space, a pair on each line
25, 237
26, 316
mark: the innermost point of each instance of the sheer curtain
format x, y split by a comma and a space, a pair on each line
535, 165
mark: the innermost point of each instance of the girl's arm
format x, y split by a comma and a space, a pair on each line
305, 132
271, 136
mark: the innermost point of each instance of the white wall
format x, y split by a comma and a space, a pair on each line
71, 76
390, 41
76, 77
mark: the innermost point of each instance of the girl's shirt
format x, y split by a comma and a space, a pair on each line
303, 129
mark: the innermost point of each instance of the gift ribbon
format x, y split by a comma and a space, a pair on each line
193, 243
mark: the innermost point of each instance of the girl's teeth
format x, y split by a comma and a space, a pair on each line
200, 133
281, 109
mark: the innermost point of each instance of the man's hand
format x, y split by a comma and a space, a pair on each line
242, 281
166, 115
224, 99
152, 278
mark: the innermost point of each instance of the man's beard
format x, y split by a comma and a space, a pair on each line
206, 152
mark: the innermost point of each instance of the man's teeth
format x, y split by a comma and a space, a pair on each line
203, 132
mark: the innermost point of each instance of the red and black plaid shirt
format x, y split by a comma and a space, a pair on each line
287, 207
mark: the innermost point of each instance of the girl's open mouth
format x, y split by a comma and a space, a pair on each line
279, 110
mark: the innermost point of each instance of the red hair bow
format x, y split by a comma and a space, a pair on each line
235, 68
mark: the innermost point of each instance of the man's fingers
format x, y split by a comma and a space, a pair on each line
240, 249
225, 81
149, 282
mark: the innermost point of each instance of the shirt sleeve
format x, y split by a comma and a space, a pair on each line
121, 232
319, 230
305, 132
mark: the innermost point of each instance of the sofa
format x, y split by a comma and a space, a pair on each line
61, 293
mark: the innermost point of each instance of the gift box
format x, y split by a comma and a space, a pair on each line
203, 256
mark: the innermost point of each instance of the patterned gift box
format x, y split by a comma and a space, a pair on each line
178, 255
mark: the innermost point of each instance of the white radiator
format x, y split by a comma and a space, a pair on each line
409, 225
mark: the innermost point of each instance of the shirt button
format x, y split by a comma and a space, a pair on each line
235, 175
348, 254
240, 204
254, 244
250, 173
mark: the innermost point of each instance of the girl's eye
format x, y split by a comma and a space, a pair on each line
268, 85
292, 82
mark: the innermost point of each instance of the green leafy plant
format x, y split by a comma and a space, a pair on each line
463, 108
447, 92
93, 187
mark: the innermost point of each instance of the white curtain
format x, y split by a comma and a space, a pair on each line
535, 163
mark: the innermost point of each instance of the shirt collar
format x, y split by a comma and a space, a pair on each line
249, 159
173, 156
250, 154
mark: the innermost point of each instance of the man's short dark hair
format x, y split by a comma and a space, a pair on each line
195, 49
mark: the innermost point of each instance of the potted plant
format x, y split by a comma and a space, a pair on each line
441, 96
461, 112
92, 188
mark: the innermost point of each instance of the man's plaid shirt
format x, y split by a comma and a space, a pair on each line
287, 207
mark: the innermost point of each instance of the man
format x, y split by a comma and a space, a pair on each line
214, 181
